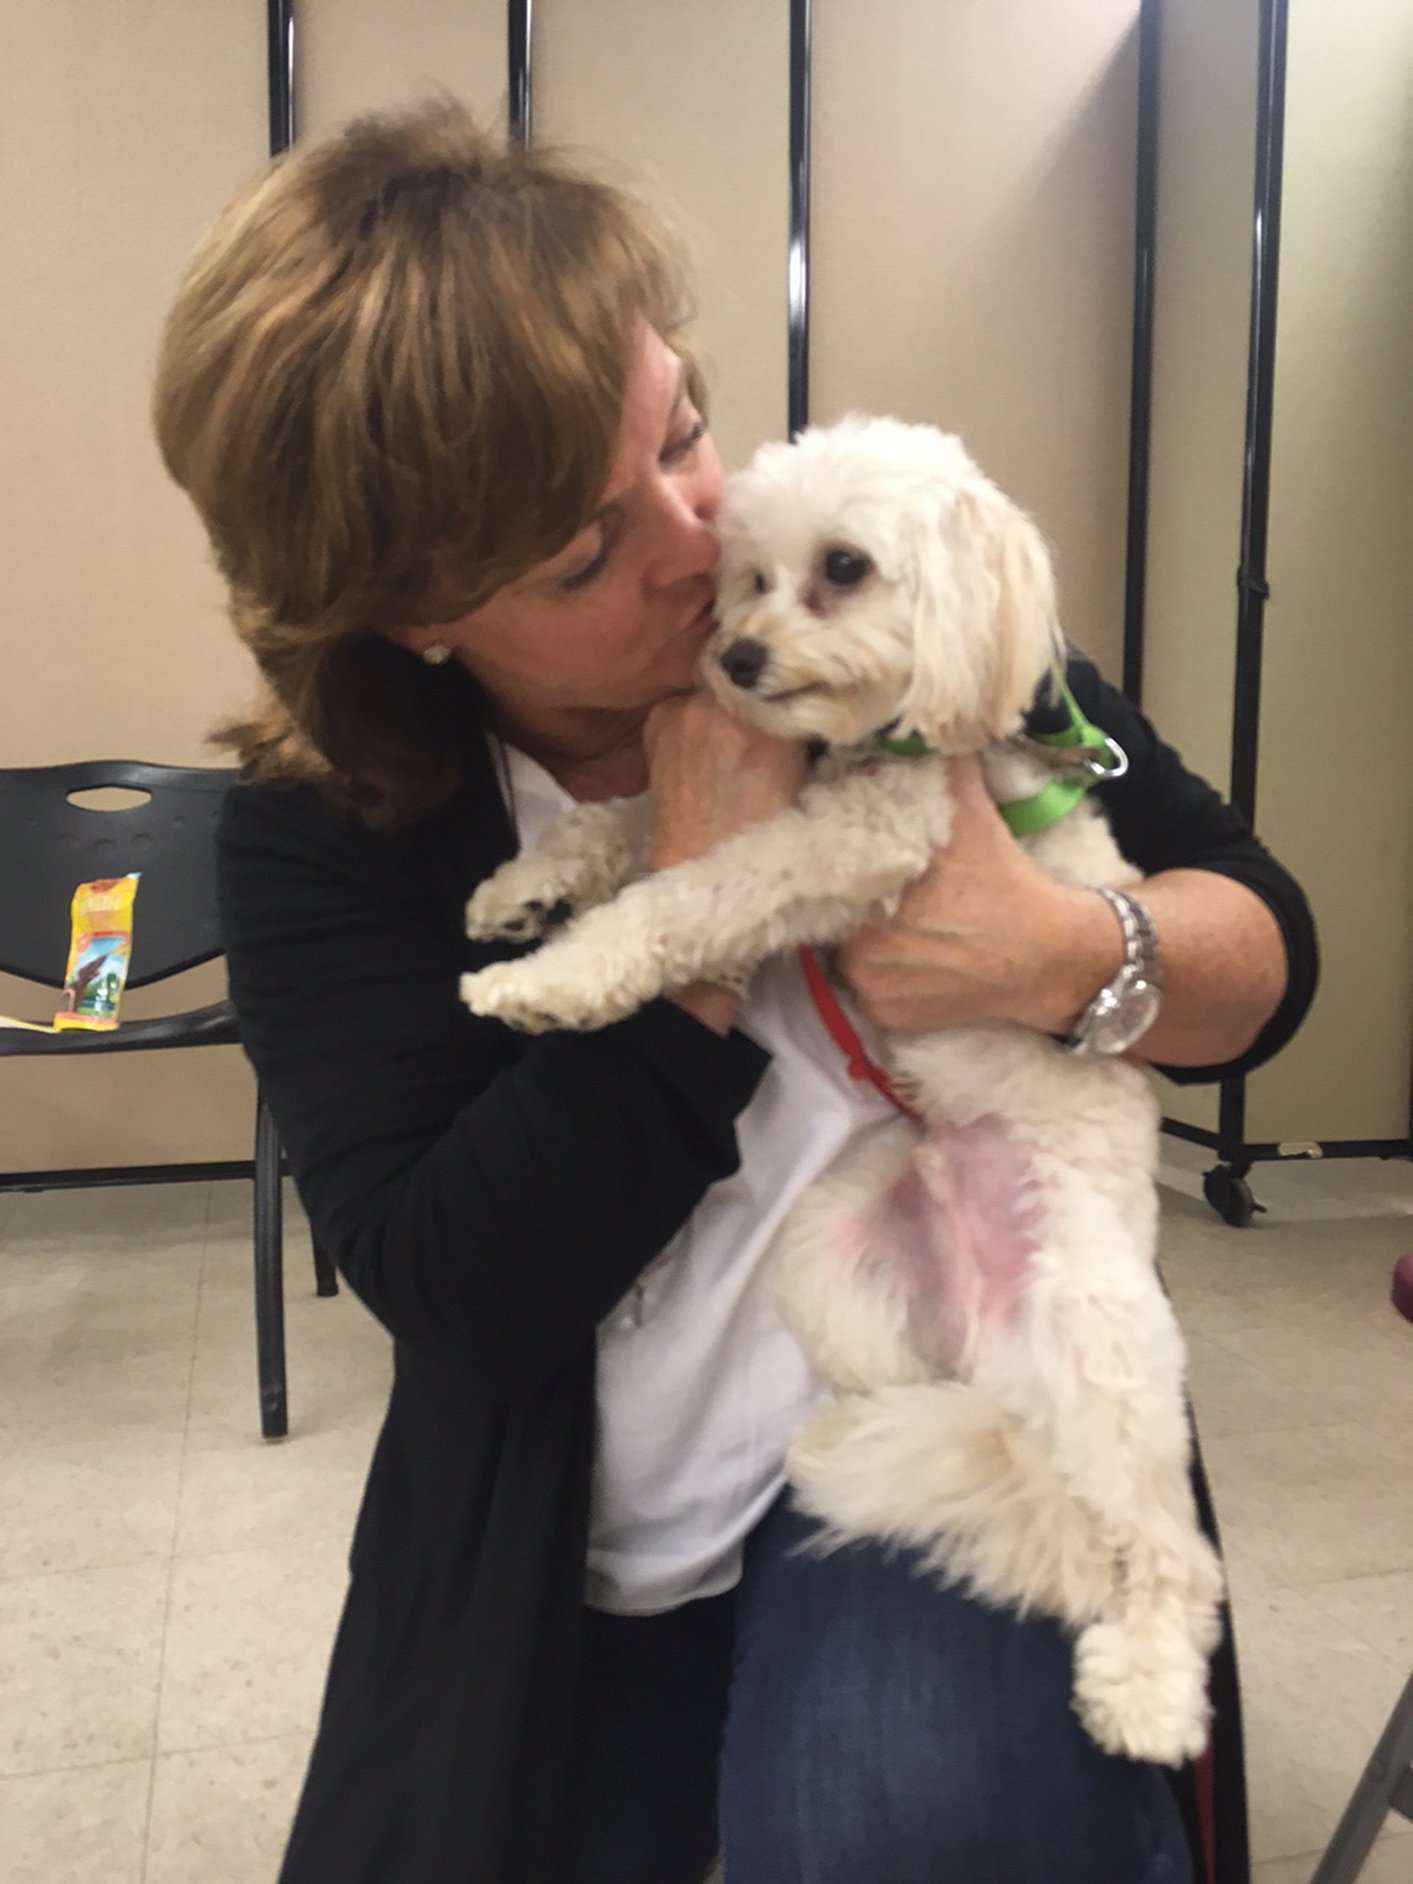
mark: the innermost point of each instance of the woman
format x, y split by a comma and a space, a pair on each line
429, 396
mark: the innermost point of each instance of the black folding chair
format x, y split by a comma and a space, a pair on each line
48, 846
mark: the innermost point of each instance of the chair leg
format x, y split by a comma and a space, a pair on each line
269, 1277
1386, 1785
326, 1278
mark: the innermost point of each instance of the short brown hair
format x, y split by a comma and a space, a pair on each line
391, 382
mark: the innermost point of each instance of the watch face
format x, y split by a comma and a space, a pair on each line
1126, 1016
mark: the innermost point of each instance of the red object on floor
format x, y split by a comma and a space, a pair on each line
1204, 1776
842, 1032
1403, 1286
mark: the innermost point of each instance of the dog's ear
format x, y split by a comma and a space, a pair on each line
986, 630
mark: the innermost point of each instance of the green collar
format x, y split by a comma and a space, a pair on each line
914, 746
1054, 801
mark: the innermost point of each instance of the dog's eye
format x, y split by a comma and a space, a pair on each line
846, 568
759, 583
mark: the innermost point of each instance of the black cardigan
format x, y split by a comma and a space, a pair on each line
490, 1199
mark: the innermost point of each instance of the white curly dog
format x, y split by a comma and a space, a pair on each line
978, 1289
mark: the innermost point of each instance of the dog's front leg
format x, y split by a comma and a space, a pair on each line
812, 874
583, 859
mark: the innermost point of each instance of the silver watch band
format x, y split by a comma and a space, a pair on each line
1140, 937
1127, 1006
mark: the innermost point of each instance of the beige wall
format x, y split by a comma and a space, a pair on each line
1206, 180
1334, 785
972, 229
973, 252
127, 125
653, 88
354, 54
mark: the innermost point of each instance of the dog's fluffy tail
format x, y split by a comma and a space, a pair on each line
944, 1469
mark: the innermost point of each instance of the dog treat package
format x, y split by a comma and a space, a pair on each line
99, 951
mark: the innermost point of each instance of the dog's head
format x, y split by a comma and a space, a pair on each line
871, 576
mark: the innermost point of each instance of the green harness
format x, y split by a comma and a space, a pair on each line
1097, 757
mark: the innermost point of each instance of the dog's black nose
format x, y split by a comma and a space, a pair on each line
745, 662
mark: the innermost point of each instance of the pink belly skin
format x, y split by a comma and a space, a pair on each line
955, 1232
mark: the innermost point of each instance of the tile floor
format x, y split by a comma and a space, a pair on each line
169, 1583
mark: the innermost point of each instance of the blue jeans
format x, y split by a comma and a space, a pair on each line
845, 1721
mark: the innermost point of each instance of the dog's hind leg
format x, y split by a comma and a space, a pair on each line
583, 859
849, 1312
1105, 1346
944, 1469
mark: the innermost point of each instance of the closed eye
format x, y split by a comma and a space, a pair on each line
845, 569
683, 447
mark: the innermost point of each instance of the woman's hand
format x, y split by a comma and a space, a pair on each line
984, 935
710, 777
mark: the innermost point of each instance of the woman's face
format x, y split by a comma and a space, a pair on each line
618, 618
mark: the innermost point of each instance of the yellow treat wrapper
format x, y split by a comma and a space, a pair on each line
99, 953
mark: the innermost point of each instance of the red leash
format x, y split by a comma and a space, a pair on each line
843, 1035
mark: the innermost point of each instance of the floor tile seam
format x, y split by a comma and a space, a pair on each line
1366, 1429
134, 1757
1213, 1432
175, 1534
319, 1540
1364, 1576
282, 1548
201, 1270
182, 1449
161, 1679
147, 1819
1395, 1655
163, 1555
77, 1766
239, 1740
306, 1735
1277, 1583
1387, 1835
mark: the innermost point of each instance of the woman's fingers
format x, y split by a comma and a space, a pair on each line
711, 777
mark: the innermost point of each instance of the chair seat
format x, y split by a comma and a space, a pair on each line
213, 1026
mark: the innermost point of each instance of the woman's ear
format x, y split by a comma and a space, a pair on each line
986, 631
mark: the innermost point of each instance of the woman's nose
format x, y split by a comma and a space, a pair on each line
688, 520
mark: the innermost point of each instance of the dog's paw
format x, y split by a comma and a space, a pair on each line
1141, 1692
543, 994
503, 910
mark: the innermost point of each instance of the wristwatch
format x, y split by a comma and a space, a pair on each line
1126, 1007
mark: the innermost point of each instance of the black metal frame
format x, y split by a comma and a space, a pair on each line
1141, 396
519, 29
87, 1177
1229, 1141
797, 279
279, 42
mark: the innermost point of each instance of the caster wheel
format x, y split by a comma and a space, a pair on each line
1230, 1196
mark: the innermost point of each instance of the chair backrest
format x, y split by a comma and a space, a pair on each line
49, 846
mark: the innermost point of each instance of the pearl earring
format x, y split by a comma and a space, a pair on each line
436, 653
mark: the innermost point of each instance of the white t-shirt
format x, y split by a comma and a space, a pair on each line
700, 1384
